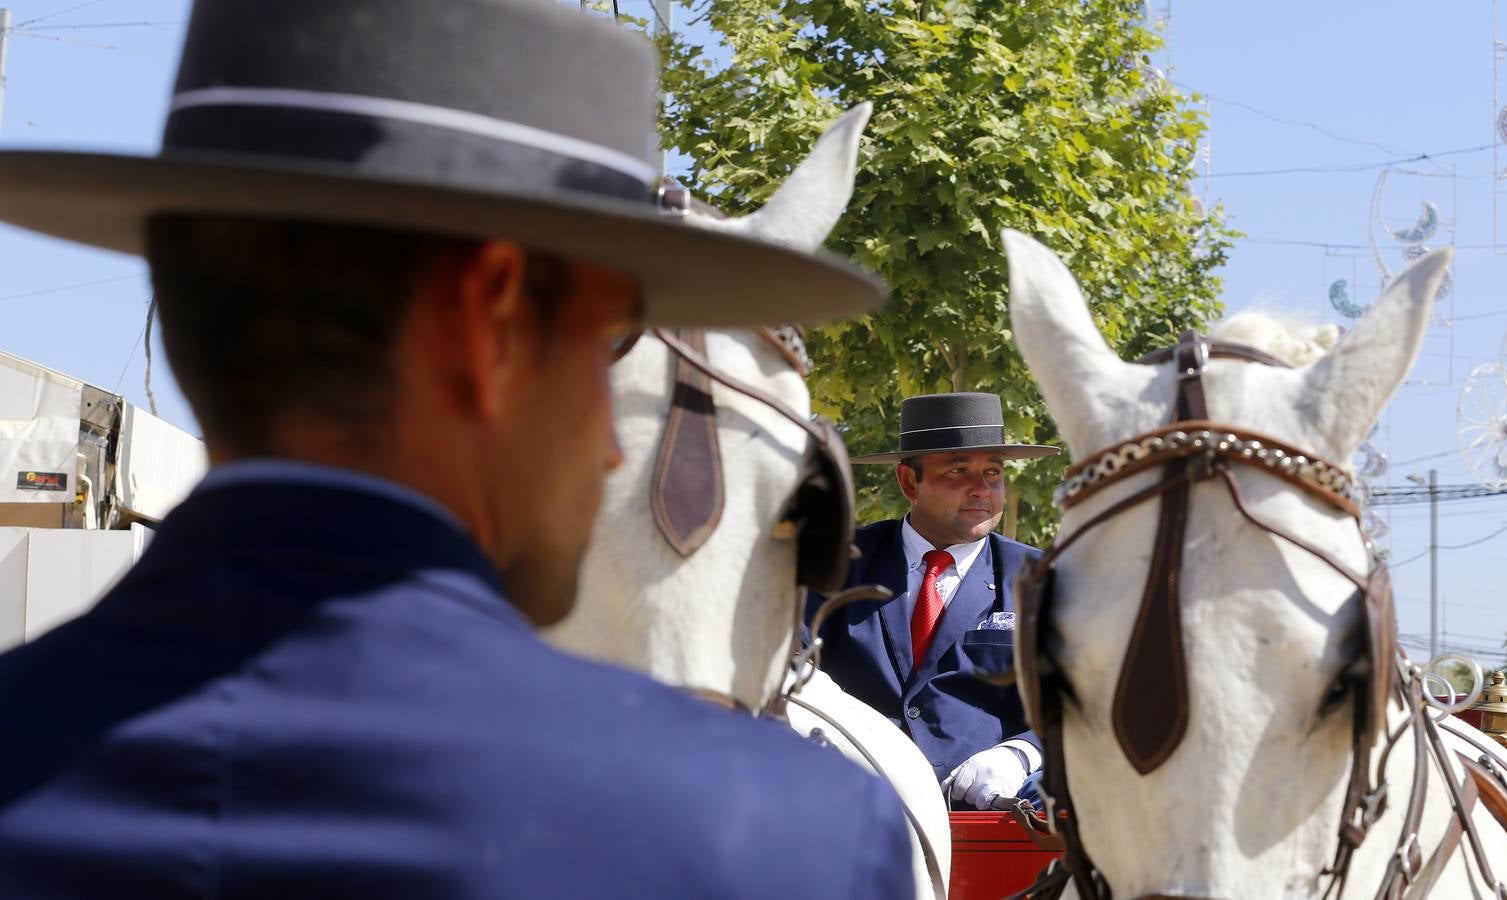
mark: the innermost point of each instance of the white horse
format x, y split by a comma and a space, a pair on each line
1249, 803
723, 621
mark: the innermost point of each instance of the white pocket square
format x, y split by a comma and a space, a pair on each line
1000, 621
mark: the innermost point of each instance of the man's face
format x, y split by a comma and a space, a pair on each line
565, 446
958, 498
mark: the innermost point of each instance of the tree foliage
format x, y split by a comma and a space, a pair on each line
1039, 115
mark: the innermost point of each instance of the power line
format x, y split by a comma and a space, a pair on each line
69, 287
1286, 121
1402, 496
97, 25
62, 40
1409, 462
1481, 540
1349, 167
61, 12
1418, 556
1340, 245
119, 380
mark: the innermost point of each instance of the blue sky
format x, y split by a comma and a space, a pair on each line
1341, 87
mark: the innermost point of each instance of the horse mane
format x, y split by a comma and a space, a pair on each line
1289, 337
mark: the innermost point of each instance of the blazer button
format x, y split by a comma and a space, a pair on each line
912, 713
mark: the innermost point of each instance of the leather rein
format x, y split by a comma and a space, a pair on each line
1190, 450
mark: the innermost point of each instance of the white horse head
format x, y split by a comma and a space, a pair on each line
1248, 804
723, 620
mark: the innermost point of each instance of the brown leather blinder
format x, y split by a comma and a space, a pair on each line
1155, 663
686, 494
822, 509
1381, 647
1034, 592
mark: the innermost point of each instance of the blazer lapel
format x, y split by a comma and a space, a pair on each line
888, 569
974, 597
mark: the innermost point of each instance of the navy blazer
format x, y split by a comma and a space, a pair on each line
867, 650
306, 691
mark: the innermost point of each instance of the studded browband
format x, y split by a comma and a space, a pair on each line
1202, 438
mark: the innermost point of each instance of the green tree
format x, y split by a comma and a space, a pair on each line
1038, 115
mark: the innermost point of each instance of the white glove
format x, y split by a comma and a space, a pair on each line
988, 779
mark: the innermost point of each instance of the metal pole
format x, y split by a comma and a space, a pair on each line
4, 38
664, 26
1433, 563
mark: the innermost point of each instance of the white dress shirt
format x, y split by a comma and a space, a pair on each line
917, 546
963, 557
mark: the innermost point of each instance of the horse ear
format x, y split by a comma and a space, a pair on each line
1057, 337
1348, 387
807, 206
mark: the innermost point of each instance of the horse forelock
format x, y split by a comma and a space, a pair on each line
1290, 337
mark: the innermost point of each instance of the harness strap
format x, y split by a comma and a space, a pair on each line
1217, 349
1043, 836
1239, 499
1456, 795
1049, 884
1423, 882
1491, 784
1407, 862
1085, 876
696, 359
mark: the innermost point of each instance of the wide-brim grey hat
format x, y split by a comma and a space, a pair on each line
520, 119
954, 423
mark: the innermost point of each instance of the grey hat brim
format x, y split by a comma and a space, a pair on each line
1008, 451
689, 276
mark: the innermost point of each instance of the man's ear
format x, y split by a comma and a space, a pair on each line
907, 478
495, 325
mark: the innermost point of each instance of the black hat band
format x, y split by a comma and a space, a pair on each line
402, 138
957, 437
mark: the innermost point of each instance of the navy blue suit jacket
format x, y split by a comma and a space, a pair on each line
314, 692
867, 650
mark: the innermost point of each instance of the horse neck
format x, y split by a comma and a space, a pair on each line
721, 619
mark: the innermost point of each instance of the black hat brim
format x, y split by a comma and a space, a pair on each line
689, 276
1008, 451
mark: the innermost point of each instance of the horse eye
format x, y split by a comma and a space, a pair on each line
1335, 697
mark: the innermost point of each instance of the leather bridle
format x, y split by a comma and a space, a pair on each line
686, 497
686, 492
1149, 728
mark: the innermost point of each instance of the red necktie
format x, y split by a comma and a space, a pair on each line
923, 622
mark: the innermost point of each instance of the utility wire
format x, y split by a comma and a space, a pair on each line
1350, 167
122, 377
68, 287
1336, 245
61, 12
1286, 121
62, 40
1418, 556
1408, 462
1402, 496
97, 25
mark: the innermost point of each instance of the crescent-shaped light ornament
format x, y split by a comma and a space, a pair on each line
1420, 231
1339, 298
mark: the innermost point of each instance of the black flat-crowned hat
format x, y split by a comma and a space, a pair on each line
954, 423
521, 119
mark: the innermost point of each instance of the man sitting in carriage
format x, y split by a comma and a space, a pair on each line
913, 656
